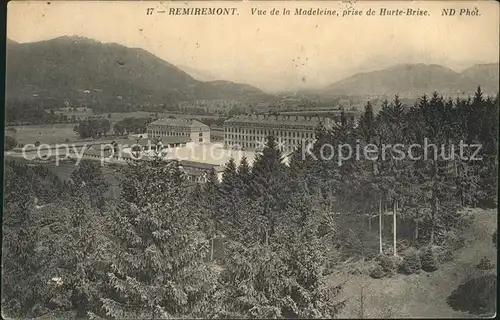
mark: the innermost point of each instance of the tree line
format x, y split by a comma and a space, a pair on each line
19, 112
96, 128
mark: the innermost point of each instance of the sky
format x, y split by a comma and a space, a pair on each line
274, 52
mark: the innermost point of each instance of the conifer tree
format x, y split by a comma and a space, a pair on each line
88, 178
367, 124
157, 267
230, 183
211, 214
267, 185
244, 176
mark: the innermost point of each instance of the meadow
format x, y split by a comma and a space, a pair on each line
44, 133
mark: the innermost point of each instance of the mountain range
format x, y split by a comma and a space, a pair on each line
413, 80
74, 68
77, 69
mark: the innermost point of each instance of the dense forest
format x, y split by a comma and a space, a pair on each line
257, 244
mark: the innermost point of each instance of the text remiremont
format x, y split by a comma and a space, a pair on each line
203, 11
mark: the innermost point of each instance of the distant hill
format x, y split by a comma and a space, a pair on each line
485, 75
11, 42
84, 71
200, 75
413, 80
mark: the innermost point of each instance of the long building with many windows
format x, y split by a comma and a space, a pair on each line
249, 132
291, 129
168, 127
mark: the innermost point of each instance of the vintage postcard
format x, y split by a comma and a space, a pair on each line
250, 159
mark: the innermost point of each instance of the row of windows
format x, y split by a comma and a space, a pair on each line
256, 131
201, 179
168, 133
254, 145
151, 148
249, 138
169, 128
288, 142
279, 134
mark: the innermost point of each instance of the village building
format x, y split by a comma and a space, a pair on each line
290, 129
199, 171
153, 144
250, 132
170, 127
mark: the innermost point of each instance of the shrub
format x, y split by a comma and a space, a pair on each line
361, 266
377, 272
429, 259
411, 262
485, 264
388, 264
443, 254
453, 239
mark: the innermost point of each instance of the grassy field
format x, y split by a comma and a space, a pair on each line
422, 295
45, 133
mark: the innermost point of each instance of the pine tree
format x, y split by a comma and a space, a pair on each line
367, 124
209, 205
244, 176
230, 181
231, 198
157, 258
88, 178
267, 185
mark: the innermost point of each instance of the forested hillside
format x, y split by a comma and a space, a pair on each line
106, 77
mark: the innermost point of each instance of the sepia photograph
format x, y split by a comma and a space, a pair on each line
250, 159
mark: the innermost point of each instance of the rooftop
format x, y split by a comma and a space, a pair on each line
278, 120
318, 112
209, 153
146, 141
200, 165
176, 122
